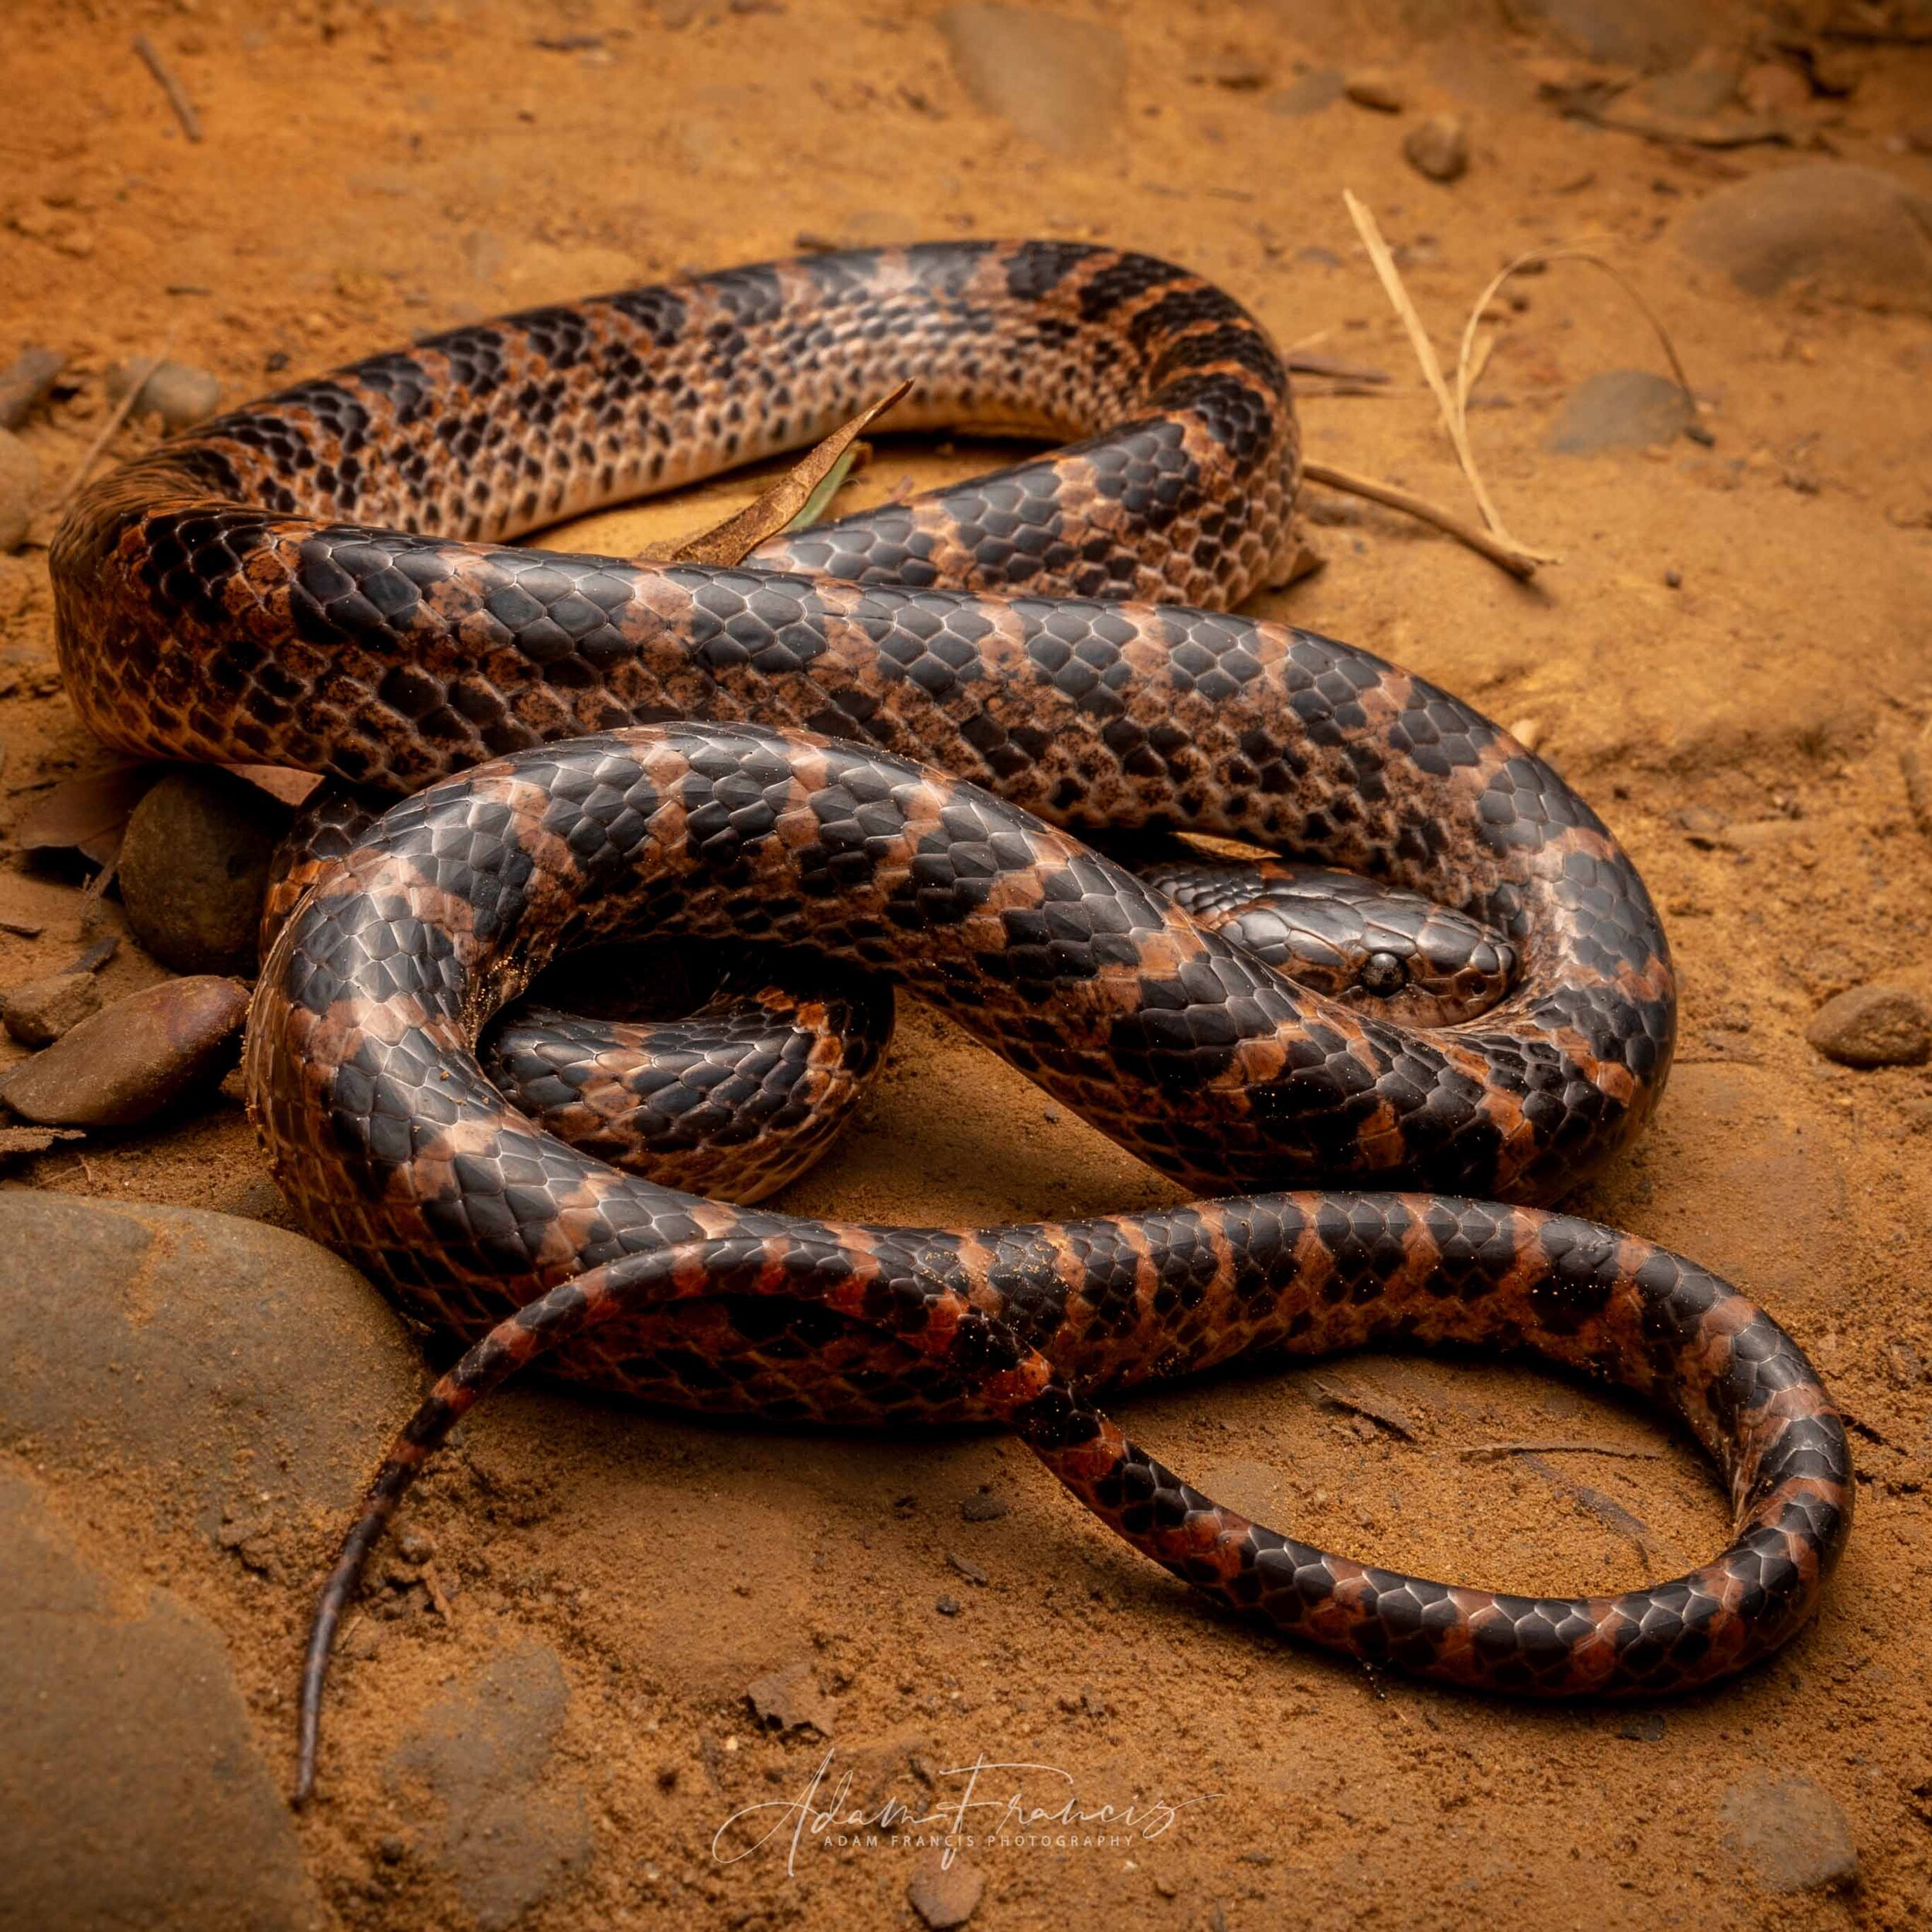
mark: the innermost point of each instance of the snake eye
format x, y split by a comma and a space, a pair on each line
1383, 974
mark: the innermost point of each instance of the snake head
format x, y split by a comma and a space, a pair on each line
1364, 945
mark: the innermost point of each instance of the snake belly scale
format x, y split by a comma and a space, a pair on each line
879, 742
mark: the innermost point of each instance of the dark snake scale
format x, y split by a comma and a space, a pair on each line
865, 760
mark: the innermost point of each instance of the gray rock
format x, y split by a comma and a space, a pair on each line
1439, 148
19, 487
1790, 1835
131, 1793
237, 1358
194, 869
1308, 94
180, 396
1690, 93
26, 382
1852, 234
945, 1895
39, 1012
1622, 408
507, 1832
1056, 80
156, 1048
1873, 1026
1645, 33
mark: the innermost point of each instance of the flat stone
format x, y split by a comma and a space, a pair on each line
132, 1791
1621, 409
1873, 1026
508, 1832
945, 1895
194, 869
20, 486
1791, 1834
1851, 234
1645, 33
1055, 79
234, 1357
26, 382
1307, 93
1439, 148
155, 1049
1690, 93
38, 1012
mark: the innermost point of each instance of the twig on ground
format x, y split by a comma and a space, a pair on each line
1303, 361
1495, 1451
1519, 563
1380, 1411
177, 94
137, 376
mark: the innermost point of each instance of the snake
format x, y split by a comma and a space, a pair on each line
890, 752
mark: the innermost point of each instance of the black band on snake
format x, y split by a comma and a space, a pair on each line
871, 750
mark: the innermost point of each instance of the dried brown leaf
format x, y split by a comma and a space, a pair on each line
88, 814
279, 781
734, 540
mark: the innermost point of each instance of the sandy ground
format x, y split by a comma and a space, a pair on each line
1737, 630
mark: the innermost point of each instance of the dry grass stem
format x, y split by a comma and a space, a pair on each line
137, 376
1526, 558
1505, 556
177, 94
1468, 372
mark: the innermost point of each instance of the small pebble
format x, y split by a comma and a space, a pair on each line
1372, 88
134, 1059
1674, 580
19, 485
1873, 1026
983, 1506
179, 395
789, 1700
1772, 88
947, 1606
1439, 148
945, 1895
38, 1013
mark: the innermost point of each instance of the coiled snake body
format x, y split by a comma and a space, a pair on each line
876, 744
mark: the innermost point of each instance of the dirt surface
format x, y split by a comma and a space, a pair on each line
553, 1727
